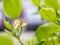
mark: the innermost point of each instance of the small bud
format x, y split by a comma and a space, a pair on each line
24, 24
17, 23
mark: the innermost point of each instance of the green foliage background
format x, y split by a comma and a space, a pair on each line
46, 33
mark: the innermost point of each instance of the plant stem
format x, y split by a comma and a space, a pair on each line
19, 40
18, 37
20, 31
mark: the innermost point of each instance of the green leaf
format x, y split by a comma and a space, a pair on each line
52, 3
56, 41
32, 41
12, 8
48, 14
8, 25
48, 42
58, 13
58, 37
44, 31
59, 4
5, 40
36, 2
52, 41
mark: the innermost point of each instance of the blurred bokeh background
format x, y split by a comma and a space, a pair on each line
34, 20
27, 15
